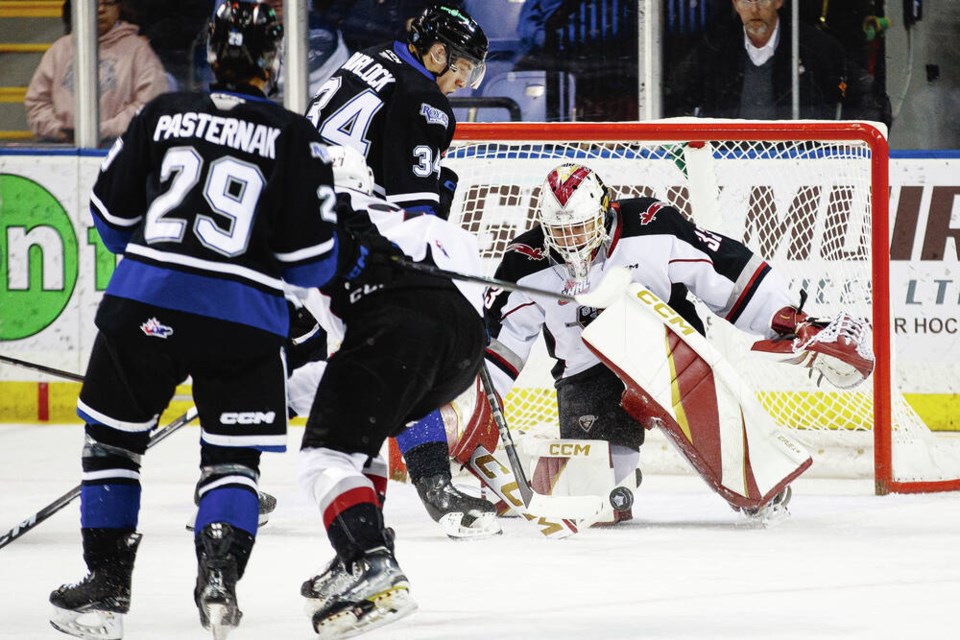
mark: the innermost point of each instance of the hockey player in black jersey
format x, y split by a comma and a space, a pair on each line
408, 343
215, 201
582, 234
390, 103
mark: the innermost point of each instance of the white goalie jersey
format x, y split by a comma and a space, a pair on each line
662, 250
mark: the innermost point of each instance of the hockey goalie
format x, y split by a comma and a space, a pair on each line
643, 362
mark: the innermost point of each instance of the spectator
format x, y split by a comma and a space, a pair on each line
130, 75
744, 71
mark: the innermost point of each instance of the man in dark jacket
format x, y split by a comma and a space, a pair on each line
746, 72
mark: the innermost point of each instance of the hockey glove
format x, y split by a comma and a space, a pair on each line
448, 188
840, 350
366, 259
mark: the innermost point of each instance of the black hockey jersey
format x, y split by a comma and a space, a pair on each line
215, 200
422, 237
385, 104
661, 248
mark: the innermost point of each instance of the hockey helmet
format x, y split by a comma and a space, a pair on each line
458, 32
573, 212
350, 169
245, 40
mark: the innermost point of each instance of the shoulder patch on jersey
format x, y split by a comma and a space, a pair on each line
390, 55
650, 214
318, 150
533, 253
433, 115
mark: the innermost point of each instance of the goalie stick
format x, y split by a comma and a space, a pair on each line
570, 507
609, 290
74, 493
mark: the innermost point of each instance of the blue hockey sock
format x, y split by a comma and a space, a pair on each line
235, 506
109, 506
429, 429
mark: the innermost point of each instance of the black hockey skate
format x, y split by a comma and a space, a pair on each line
94, 607
370, 593
217, 575
461, 516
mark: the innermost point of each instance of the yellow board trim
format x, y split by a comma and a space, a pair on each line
31, 9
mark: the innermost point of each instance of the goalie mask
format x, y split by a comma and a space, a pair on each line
573, 212
350, 169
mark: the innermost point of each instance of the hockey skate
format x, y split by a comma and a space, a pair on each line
461, 516
267, 503
93, 608
217, 575
772, 512
368, 594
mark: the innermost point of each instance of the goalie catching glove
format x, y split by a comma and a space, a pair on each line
839, 350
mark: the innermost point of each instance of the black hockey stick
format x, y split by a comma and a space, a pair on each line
68, 375
607, 292
74, 493
571, 507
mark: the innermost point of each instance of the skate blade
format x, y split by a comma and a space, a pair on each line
484, 526
374, 612
222, 619
89, 625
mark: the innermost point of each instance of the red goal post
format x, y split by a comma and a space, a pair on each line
811, 197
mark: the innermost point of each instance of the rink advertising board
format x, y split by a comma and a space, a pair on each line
54, 269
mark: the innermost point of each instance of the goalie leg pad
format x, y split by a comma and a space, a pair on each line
678, 381
469, 424
587, 467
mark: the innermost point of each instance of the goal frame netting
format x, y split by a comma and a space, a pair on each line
704, 131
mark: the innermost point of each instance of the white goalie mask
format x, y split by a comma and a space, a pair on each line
572, 211
350, 169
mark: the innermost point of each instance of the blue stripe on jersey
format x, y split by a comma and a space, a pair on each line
309, 274
421, 209
109, 506
238, 507
115, 240
202, 295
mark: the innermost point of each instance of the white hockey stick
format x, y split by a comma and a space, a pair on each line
570, 507
611, 287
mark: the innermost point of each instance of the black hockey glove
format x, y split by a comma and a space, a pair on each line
366, 258
448, 188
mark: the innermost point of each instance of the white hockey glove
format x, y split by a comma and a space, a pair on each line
839, 350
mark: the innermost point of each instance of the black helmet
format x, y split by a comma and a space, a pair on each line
454, 28
245, 40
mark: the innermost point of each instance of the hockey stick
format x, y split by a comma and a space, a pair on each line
575, 507
76, 377
74, 493
613, 284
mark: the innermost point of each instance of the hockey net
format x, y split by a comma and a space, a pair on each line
809, 197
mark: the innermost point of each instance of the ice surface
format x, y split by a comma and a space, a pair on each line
846, 564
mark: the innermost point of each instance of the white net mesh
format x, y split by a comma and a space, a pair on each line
805, 205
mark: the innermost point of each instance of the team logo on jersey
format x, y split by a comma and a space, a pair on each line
153, 328
650, 214
533, 253
586, 422
434, 115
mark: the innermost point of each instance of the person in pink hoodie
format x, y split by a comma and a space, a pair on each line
130, 75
